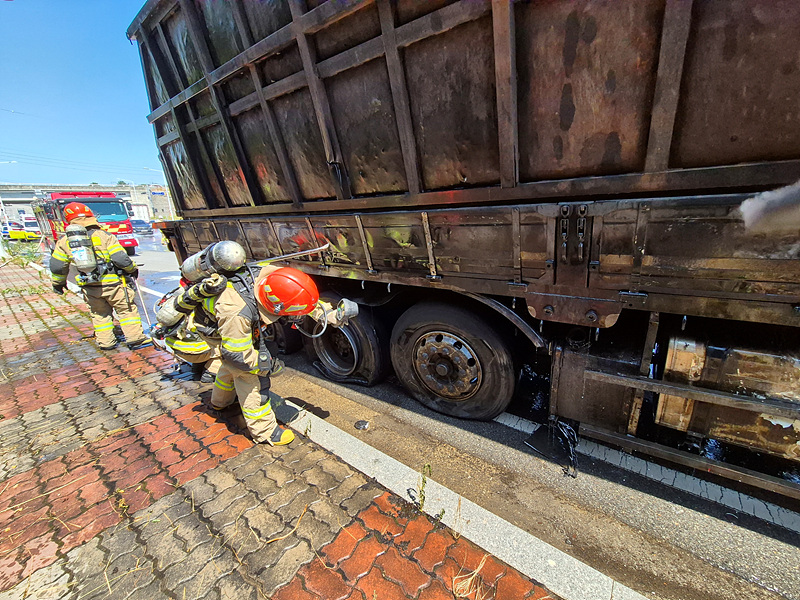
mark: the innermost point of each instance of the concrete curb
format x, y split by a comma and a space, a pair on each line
560, 573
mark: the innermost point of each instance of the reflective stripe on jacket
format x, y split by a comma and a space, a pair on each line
234, 318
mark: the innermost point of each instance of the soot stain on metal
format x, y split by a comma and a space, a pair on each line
613, 150
566, 111
571, 35
558, 147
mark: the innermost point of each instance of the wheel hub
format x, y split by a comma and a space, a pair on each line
447, 365
337, 348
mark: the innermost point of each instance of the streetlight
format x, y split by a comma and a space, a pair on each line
166, 187
2, 206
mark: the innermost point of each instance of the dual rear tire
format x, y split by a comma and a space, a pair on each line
448, 357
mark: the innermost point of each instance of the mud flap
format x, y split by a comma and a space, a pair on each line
557, 442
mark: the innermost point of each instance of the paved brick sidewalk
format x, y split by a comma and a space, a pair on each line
117, 482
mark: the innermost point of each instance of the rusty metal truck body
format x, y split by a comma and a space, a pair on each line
548, 188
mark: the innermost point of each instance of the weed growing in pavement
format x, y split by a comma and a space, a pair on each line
22, 254
471, 585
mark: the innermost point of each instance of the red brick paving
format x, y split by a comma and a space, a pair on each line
64, 502
366, 563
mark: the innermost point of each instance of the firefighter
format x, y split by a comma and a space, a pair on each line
204, 355
233, 319
100, 261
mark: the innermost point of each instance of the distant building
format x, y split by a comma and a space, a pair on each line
150, 202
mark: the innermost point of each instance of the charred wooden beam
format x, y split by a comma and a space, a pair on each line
242, 25
675, 33
704, 465
322, 108
277, 142
191, 127
402, 107
431, 24
266, 110
169, 78
718, 179
505, 70
441, 20
195, 27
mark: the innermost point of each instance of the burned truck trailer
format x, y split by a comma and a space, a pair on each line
538, 195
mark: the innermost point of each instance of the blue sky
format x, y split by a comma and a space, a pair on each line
73, 105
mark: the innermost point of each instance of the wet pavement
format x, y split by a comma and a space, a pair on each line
117, 482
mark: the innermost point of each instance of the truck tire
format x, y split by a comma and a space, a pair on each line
452, 361
350, 354
288, 340
130, 251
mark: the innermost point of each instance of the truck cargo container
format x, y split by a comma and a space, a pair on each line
537, 198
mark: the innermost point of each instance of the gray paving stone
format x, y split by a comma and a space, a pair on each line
320, 479
191, 563
361, 499
166, 550
232, 587
240, 538
317, 532
235, 511
285, 494
296, 453
267, 556
192, 531
222, 501
209, 576
286, 567
49, 583
255, 465
261, 485
279, 473
295, 508
151, 591
199, 490
332, 514
347, 488
337, 468
265, 522
117, 542
243, 458
221, 478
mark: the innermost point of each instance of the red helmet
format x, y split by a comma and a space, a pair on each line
73, 210
287, 292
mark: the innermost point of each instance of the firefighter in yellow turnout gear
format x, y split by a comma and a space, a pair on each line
233, 320
104, 290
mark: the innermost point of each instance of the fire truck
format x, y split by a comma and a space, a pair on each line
111, 212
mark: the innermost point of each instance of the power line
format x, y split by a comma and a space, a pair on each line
50, 159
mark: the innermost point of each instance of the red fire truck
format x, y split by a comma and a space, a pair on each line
111, 212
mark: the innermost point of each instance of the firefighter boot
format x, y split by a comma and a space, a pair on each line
281, 436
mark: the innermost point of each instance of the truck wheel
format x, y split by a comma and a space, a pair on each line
353, 353
131, 250
452, 361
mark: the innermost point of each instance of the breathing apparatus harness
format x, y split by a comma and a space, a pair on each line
90, 270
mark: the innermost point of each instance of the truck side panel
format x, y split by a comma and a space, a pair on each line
287, 107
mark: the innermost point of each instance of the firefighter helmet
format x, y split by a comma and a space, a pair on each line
287, 292
75, 210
